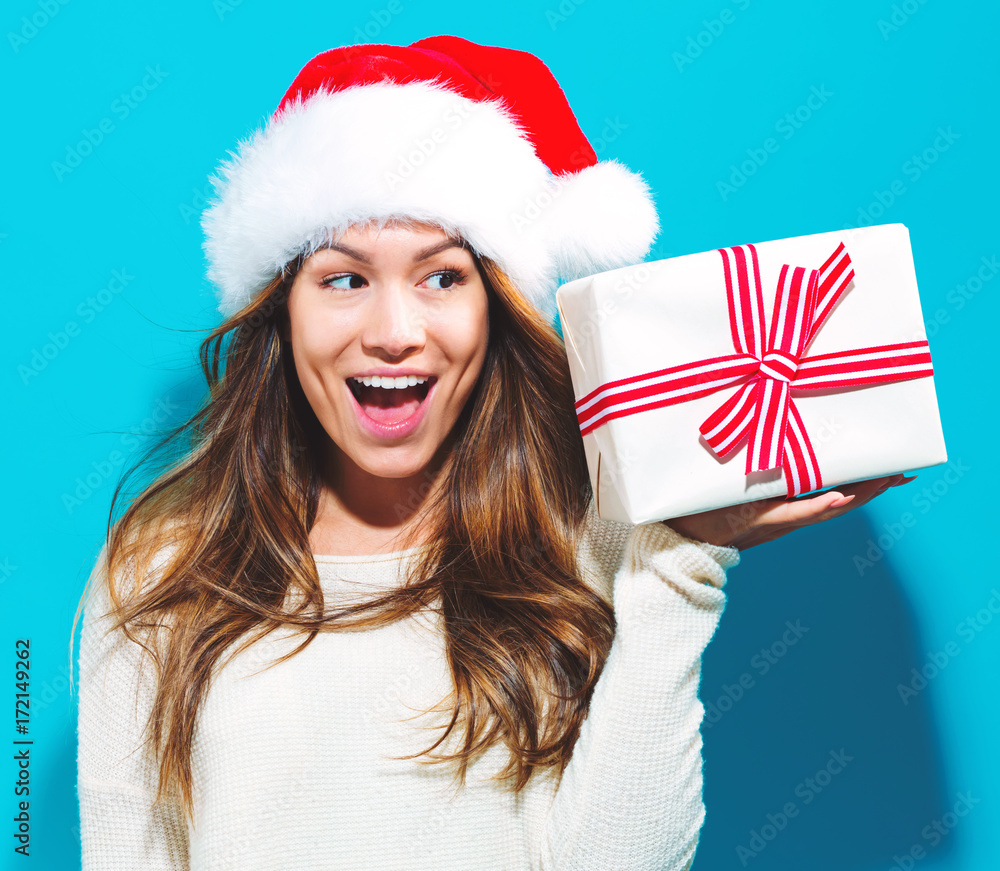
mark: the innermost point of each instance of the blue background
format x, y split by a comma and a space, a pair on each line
685, 94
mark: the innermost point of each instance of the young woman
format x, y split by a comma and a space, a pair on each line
370, 619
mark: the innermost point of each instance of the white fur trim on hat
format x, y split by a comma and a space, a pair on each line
421, 152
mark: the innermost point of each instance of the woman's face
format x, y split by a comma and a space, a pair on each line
388, 330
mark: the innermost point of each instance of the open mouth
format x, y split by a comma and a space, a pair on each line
388, 400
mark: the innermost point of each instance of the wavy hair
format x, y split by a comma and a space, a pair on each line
526, 637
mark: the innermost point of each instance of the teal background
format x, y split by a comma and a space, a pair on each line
893, 76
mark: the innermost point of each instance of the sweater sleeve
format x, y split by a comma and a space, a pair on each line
631, 795
120, 828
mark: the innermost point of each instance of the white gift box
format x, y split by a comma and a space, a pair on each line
627, 324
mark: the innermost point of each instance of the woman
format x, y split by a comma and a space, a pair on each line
379, 625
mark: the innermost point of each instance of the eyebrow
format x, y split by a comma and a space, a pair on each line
424, 254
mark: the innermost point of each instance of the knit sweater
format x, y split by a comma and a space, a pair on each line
293, 765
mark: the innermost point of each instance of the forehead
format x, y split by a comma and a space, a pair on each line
397, 241
398, 229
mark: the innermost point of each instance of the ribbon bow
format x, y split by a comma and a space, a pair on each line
763, 408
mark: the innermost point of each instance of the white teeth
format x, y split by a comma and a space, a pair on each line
389, 382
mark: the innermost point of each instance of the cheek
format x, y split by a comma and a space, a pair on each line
467, 336
317, 346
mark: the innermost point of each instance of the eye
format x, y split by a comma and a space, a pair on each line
446, 279
354, 281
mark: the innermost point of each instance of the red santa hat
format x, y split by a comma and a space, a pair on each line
478, 140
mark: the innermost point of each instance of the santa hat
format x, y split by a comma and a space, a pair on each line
478, 140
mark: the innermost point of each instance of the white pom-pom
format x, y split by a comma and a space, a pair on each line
603, 218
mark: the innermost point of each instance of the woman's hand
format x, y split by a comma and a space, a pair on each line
753, 523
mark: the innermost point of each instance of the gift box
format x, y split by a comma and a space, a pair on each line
749, 372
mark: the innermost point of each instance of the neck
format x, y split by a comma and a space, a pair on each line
360, 513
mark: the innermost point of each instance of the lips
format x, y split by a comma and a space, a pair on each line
387, 405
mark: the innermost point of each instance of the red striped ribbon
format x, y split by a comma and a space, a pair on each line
769, 364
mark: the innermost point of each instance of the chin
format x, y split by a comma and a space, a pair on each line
388, 463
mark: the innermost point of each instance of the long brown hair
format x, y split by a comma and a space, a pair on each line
526, 638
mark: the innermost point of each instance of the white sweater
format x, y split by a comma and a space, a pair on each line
291, 764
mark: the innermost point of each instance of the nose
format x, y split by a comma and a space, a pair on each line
395, 326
